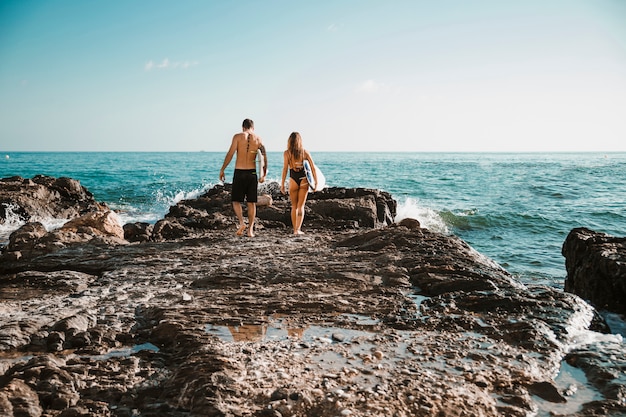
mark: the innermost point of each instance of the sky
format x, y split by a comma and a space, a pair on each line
349, 75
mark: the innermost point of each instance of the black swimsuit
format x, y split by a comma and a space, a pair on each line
297, 175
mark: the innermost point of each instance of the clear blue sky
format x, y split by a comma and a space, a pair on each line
544, 75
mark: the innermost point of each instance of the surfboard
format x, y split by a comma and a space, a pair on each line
321, 179
260, 163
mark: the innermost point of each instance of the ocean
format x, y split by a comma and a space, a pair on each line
515, 208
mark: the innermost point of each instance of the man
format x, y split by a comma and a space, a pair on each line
245, 180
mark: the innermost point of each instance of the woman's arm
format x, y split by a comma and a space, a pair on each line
284, 175
308, 157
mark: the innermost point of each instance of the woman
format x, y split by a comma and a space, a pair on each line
293, 160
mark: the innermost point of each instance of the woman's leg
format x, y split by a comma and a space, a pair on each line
303, 191
297, 194
293, 196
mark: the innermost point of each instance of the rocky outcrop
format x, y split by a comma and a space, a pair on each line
385, 321
31, 239
333, 208
596, 268
44, 197
352, 318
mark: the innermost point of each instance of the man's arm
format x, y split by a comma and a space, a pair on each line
228, 158
262, 148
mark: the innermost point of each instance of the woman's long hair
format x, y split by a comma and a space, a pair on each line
294, 147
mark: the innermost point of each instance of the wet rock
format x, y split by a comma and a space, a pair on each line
409, 223
18, 399
596, 268
197, 321
101, 223
547, 391
338, 337
601, 365
279, 394
44, 197
137, 232
55, 341
101, 227
23, 238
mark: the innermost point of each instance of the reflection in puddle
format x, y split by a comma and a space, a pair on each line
279, 330
573, 384
11, 358
125, 352
362, 320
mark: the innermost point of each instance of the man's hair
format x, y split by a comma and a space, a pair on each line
247, 124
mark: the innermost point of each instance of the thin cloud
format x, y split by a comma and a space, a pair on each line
167, 64
370, 86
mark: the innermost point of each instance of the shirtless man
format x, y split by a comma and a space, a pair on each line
245, 145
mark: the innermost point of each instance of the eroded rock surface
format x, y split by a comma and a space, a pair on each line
45, 197
350, 320
596, 268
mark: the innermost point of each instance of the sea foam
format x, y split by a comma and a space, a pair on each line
13, 221
158, 207
427, 217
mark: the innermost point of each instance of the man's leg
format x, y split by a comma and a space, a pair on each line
251, 217
239, 213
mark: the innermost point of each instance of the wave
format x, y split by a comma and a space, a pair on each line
156, 208
149, 211
427, 217
13, 221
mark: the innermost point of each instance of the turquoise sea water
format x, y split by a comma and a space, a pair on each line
515, 208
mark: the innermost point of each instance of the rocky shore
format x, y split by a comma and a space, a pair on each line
358, 317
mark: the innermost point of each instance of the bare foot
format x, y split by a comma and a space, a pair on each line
241, 230
298, 232
250, 233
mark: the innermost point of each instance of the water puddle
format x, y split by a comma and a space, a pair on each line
8, 359
124, 352
418, 300
13, 357
279, 330
573, 385
360, 320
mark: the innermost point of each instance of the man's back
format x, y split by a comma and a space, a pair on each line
247, 146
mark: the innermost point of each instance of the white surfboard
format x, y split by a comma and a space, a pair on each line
321, 179
260, 163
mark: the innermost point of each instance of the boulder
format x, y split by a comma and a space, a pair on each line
32, 238
24, 237
596, 268
19, 399
44, 197
137, 232
100, 223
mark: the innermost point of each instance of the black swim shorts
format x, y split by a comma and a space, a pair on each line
245, 185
